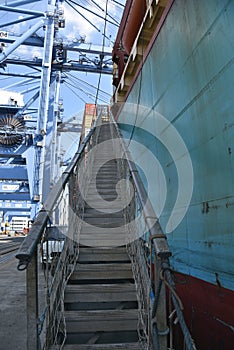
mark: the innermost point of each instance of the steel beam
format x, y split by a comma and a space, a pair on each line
75, 47
20, 40
88, 48
32, 41
28, 104
7, 24
20, 75
26, 12
16, 196
89, 68
14, 173
22, 2
24, 211
44, 99
78, 67
50, 153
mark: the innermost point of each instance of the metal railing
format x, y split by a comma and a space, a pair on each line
150, 253
50, 251
60, 219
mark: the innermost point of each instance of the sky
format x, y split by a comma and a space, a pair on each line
77, 88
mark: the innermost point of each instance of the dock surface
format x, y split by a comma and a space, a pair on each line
12, 298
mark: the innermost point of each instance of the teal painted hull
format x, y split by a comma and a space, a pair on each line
188, 78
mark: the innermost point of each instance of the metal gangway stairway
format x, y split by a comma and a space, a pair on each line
103, 277
97, 260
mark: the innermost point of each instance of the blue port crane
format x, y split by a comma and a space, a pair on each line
29, 140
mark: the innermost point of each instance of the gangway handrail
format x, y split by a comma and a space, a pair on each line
29, 245
159, 238
162, 251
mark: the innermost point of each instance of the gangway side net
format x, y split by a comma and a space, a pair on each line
51, 250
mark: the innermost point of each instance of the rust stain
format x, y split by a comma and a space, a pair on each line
229, 204
205, 207
217, 280
228, 126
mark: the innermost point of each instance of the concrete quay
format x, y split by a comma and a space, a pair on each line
12, 302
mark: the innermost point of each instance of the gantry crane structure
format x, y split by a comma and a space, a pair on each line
28, 133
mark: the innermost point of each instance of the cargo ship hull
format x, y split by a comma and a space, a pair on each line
180, 70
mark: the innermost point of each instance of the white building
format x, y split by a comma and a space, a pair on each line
10, 98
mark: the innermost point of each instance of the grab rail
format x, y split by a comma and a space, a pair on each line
46, 324
151, 219
29, 245
161, 275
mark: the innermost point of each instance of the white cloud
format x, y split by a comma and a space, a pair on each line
76, 25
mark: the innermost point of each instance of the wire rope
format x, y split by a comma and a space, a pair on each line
86, 83
103, 45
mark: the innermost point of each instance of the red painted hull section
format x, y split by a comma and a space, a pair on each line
209, 313
133, 23
133, 15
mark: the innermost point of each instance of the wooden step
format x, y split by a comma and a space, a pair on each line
99, 254
95, 231
91, 229
100, 178
102, 185
93, 213
105, 161
102, 271
106, 206
100, 292
101, 320
111, 182
103, 190
105, 168
105, 197
104, 240
121, 346
105, 222
100, 166
107, 172
106, 156
105, 218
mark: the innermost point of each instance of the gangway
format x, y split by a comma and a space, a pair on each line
106, 287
